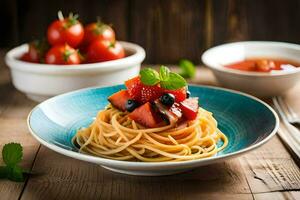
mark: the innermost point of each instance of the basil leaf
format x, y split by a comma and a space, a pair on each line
188, 69
174, 82
12, 154
149, 76
164, 73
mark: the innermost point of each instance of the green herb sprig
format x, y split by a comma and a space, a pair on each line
12, 154
188, 69
167, 79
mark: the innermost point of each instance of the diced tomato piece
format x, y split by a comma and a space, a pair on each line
146, 116
189, 108
180, 94
142, 93
119, 99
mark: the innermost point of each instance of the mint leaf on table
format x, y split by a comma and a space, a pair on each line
149, 76
12, 155
167, 79
188, 69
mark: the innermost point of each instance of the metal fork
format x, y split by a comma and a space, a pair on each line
286, 111
291, 135
291, 128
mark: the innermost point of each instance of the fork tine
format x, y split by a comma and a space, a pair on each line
279, 108
284, 108
291, 115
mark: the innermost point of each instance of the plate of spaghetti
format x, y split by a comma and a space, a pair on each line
154, 124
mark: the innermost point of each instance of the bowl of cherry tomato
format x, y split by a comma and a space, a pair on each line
261, 68
72, 57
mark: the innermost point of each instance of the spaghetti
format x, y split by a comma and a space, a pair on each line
115, 136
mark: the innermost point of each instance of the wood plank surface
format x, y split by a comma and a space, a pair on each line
235, 20
169, 30
66, 178
266, 173
271, 170
14, 108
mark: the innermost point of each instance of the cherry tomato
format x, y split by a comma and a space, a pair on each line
25, 57
99, 51
98, 31
62, 55
65, 30
36, 51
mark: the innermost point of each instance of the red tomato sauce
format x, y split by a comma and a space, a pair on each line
262, 65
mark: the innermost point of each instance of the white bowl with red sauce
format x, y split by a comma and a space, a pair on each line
260, 68
42, 81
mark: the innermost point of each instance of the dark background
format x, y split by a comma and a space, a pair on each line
167, 29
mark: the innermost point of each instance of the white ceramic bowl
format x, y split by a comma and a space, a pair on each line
256, 83
41, 81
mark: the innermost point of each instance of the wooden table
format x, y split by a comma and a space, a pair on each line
266, 173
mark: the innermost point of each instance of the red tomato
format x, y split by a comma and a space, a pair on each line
100, 51
98, 31
62, 55
189, 108
36, 51
25, 57
65, 30
146, 116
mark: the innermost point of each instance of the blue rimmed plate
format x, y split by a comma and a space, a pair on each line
247, 121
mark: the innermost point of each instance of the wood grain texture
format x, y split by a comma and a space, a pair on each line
14, 108
14, 129
236, 20
169, 30
271, 170
70, 179
278, 196
266, 173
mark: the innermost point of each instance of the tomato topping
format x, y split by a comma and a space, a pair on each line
101, 50
189, 108
62, 55
146, 116
119, 99
142, 93
180, 94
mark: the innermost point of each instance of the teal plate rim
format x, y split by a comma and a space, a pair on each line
133, 164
